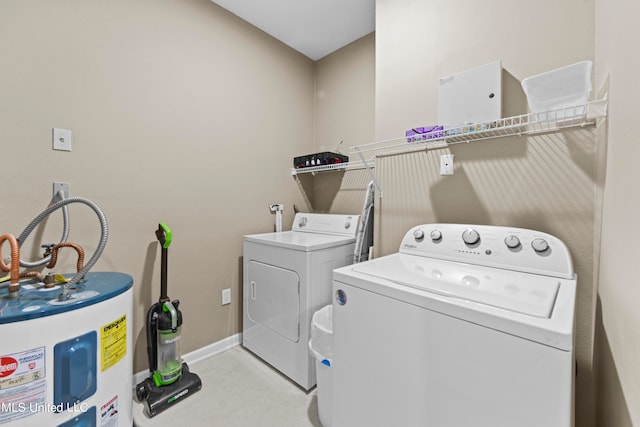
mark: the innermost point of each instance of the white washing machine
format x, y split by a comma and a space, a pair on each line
287, 277
464, 326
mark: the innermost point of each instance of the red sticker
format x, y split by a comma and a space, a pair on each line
8, 366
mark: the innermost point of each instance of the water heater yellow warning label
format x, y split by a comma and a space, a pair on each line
113, 342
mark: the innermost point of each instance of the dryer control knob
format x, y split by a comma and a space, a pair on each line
436, 235
347, 225
470, 236
302, 221
512, 241
539, 245
418, 234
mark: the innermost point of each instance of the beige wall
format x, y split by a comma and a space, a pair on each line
180, 113
544, 182
618, 317
344, 111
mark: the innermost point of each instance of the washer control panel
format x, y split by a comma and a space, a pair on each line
510, 248
343, 225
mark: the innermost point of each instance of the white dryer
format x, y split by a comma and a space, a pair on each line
287, 277
465, 326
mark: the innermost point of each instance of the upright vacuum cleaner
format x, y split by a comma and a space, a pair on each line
170, 380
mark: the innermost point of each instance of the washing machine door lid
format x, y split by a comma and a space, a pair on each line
524, 293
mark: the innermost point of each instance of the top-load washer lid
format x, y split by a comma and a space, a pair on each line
509, 290
311, 232
509, 279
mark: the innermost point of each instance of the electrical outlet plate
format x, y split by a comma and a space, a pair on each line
226, 296
446, 164
58, 187
61, 139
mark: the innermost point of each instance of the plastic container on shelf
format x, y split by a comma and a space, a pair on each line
560, 88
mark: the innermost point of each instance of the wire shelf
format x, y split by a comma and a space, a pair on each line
351, 165
525, 124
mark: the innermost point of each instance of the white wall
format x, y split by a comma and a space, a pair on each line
618, 334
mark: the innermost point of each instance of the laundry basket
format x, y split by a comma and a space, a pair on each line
321, 347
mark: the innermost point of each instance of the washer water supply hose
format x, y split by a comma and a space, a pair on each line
104, 233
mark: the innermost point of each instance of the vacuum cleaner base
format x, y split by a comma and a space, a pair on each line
157, 399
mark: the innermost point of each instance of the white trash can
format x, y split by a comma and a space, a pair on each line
321, 347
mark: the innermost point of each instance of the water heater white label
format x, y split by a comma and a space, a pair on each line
22, 384
109, 413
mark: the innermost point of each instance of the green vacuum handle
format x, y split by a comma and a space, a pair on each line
163, 233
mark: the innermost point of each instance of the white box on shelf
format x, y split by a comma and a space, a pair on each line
560, 88
472, 96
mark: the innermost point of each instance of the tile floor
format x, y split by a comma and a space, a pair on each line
238, 390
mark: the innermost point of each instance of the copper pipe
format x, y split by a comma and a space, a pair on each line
77, 247
14, 285
33, 274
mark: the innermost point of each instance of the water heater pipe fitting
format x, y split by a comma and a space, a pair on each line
14, 285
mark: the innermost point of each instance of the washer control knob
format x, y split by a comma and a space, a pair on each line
470, 236
436, 235
539, 245
418, 234
347, 225
512, 241
302, 221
